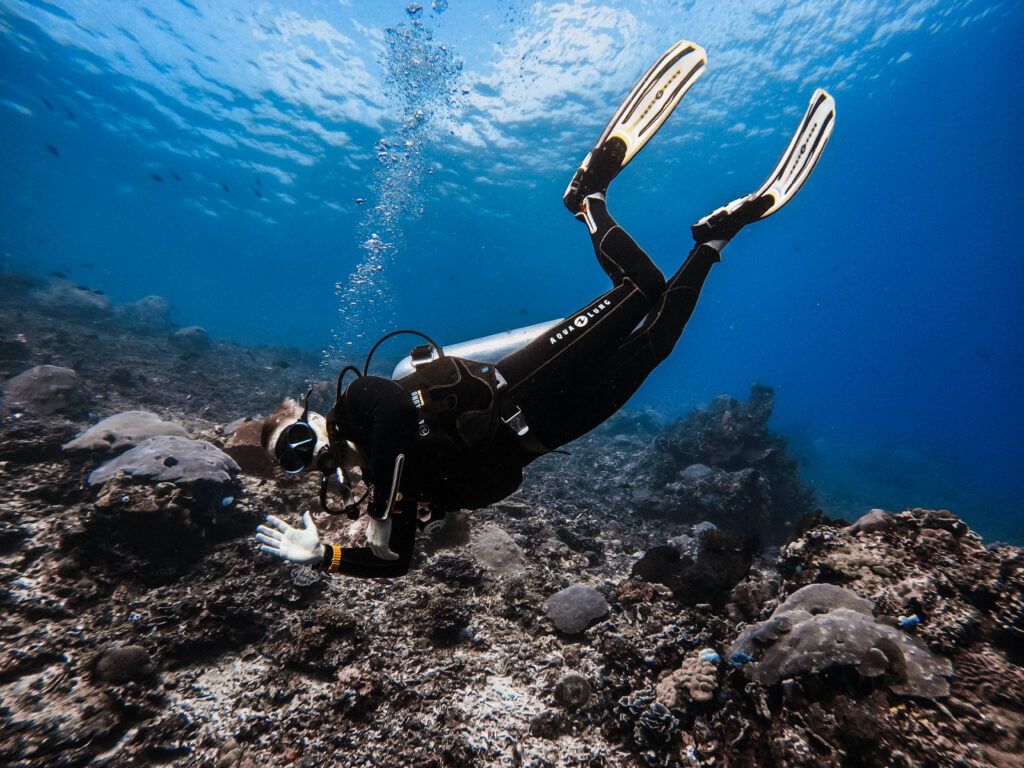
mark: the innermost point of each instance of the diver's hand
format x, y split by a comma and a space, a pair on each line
300, 545
378, 534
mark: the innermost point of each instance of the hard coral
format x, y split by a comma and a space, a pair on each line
696, 680
826, 626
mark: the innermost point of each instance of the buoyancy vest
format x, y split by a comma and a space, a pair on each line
457, 400
466, 431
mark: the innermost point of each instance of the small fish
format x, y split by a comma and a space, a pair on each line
51, 149
49, 106
224, 186
156, 177
258, 182
57, 274
86, 266
175, 176
523, 312
71, 115
257, 193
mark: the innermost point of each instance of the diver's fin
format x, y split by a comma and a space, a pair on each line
637, 119
785, 180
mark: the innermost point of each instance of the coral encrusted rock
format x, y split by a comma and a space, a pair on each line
45, 390
823, 626
574, 608
123, 430
171, 460
498, 552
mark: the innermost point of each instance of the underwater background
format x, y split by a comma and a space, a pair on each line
315, 174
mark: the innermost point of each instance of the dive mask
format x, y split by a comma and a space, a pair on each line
300, 445
296, 448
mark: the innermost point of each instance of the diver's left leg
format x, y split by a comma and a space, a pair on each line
570, 356
566, 401
627, 367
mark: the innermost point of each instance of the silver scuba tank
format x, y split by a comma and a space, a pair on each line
488, 349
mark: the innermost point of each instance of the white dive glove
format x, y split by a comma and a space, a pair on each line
300, 545
378, 534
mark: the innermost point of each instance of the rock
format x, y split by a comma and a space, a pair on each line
748, 597
148, 315
14, 352
874, 521
662, 565
823, 626
123, 430
547, 725
723, 560
246, 448
722, 464
120, 664
823, 598
452, 569
17, 284
45, 390
193, 340
497, 552
173, 460
74, 301
703, 527
573, 691
573, 609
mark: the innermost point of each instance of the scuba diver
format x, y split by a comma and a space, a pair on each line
455, 433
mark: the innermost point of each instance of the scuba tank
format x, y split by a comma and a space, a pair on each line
487, 349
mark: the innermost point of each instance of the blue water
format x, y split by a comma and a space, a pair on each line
317, 173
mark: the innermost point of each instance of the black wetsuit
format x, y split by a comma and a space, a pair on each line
566, 382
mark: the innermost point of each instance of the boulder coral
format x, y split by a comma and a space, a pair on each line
822, 626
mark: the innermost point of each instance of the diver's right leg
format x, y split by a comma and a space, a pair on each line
617, 253
636, 120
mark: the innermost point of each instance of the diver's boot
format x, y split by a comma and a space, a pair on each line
636, 120
796, 164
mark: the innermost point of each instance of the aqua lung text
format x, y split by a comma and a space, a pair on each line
581, 320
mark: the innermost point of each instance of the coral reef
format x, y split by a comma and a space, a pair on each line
498, 552
696, 680
720, 464
139, 624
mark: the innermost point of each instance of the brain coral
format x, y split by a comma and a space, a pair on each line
695, 680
